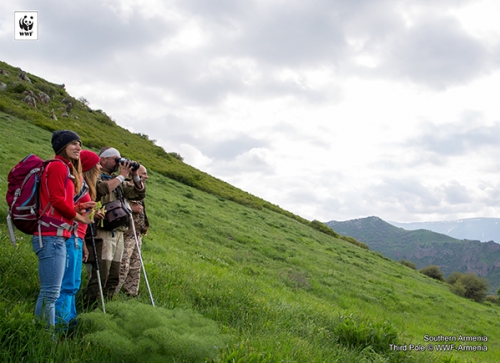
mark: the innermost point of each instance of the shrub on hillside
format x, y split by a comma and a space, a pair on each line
83, 101
468, 285
492, 299
4, 106
17, 88
454, 276
433, 271
458, 288
45, 88
176, 155
408, 264
355, 242
317, 225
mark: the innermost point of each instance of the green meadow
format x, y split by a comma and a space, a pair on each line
234, 279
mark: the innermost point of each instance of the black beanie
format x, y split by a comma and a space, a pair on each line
61, 138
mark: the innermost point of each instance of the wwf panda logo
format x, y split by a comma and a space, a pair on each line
26, 23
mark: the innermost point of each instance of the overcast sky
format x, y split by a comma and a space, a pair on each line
331, 109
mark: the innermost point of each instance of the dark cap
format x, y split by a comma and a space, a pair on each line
61, 138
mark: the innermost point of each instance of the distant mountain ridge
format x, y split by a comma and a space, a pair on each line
424, 248
482, 229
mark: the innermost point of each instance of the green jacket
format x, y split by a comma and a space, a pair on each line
128, 189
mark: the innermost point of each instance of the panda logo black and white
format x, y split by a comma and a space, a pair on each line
26, 23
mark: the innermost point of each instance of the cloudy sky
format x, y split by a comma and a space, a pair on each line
331, 109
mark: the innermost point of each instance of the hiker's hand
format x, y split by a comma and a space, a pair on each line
81, 207
99, 214
83, 217
85, 256
137, 208
125, 169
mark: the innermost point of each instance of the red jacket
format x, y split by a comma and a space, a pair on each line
56, 195
82, 228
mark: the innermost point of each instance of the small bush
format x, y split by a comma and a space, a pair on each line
492, 299
355, 242
45, 88
319, 226
454, 276
458, 288
468, 285
433, 271
176, 156
104, 119
17, 88
83, 101
408, 264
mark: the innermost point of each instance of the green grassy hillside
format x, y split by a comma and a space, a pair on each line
276, 288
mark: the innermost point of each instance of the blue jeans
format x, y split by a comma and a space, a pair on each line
66, 303
51, 264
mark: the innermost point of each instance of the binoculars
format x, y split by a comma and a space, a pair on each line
134, 164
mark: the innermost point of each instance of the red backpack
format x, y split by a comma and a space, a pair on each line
23, 195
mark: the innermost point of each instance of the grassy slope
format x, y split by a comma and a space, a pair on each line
278, 286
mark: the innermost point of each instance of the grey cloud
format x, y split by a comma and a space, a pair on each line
178, 131
292, 132
246, 166
394, 197
491, 195
171, 128
299, 35
303, 197
230, 148
437, 53
292, 37
455, 193
403, 191
455, 139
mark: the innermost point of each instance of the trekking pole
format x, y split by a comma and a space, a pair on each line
142, 262
11, 230
94, 249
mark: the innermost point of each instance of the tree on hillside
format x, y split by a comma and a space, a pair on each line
433, 271
454, 276
468, 285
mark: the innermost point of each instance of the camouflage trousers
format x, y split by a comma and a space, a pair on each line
130, 269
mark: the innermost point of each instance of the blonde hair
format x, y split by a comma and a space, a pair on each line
90, 177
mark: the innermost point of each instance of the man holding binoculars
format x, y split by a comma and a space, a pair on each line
112, 191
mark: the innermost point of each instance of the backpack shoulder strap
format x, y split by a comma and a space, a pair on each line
68, 176
48, 161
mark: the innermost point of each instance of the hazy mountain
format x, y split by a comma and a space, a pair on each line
424, 247
482, 229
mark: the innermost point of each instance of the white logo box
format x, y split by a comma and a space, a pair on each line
25, 25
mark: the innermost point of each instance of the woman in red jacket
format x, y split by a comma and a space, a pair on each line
60, 179
76, 251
